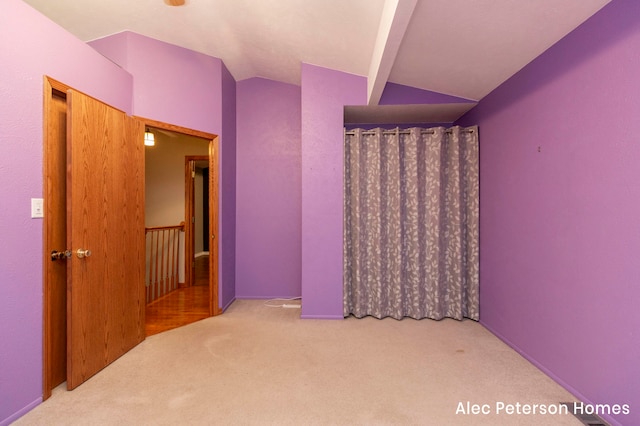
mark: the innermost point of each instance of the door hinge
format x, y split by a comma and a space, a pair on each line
193, 174
193, 219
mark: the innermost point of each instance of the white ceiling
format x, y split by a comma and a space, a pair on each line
464, 48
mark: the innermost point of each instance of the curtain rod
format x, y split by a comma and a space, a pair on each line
402, 132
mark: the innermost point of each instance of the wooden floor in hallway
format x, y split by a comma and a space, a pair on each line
182, 306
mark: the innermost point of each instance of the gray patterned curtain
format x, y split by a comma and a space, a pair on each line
411, 237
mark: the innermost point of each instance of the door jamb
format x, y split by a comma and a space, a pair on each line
51, 86
214, 149
189, 210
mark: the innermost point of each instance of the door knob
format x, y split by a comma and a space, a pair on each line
83, 253
57, 255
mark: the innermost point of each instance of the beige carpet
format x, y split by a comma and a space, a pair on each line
260, 365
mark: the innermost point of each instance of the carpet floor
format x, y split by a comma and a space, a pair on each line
258, 365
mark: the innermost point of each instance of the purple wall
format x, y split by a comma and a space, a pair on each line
186, 88
175, 85
398, 94
30, 47
560, 202
171, 84
114, 47
324, 94
227, 242
268, 253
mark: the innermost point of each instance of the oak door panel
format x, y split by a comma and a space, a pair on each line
105, 214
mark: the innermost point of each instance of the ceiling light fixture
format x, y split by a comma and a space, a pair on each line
174, 2
149, 138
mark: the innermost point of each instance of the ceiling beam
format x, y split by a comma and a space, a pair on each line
396, 15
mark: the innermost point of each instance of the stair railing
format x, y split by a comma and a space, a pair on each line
162, 269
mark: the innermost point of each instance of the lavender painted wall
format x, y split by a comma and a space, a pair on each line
560, 202
186, 88
113, 47
227, 240
269, 190
324, 94
171, 84
399, 94
30, 47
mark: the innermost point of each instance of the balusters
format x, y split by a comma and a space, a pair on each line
163, 245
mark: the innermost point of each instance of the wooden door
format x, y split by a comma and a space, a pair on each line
105, 215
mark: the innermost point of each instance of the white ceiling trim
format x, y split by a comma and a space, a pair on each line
393, 25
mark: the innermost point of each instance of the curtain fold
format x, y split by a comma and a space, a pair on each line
411, 223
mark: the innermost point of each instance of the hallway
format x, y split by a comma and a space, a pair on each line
182, 306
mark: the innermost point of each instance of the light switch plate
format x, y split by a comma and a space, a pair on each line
37, 208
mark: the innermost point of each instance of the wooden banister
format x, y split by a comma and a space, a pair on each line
160, 228
162, 273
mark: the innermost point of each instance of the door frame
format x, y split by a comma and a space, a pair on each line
214, 152
189, 214
50, 143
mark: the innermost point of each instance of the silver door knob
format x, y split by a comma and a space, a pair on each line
83, 253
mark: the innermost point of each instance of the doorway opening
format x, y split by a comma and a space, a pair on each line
178, 197
56, 305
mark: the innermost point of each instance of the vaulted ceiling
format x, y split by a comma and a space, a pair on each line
464, 48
